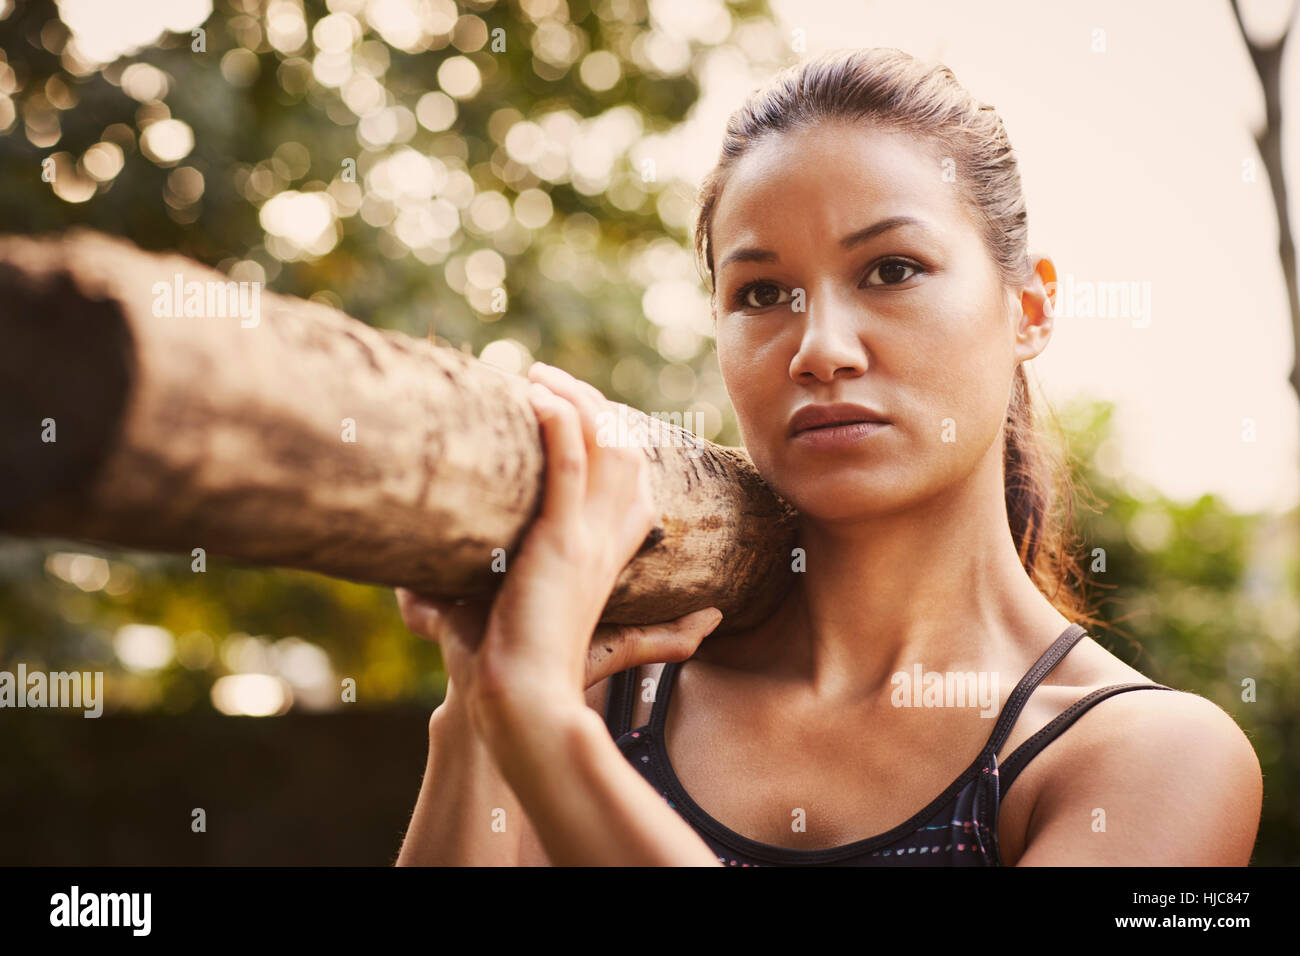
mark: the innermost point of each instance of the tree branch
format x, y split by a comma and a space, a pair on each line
310, 440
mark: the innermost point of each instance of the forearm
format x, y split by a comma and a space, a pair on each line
587, 804
466, 813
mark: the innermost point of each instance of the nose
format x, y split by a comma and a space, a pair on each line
831, 344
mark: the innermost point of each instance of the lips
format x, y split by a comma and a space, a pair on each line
824, 416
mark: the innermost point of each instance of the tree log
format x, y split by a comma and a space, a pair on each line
229, 430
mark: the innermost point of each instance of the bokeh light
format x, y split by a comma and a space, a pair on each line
102, 32
251, 695
144, 647
167, 141
304, 220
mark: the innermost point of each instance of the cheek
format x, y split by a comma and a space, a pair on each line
970, 395
744, 376
954, 376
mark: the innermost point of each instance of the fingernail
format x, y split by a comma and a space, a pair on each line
716, 620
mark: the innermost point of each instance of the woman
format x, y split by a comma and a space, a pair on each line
864, 235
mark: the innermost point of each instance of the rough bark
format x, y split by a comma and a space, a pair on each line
175, 433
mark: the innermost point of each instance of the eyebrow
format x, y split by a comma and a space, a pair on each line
754, 254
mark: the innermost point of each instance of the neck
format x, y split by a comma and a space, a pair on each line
939, 584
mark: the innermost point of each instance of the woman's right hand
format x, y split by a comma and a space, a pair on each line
458, 628
463, 794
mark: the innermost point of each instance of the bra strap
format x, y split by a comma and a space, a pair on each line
1042, 667
1026, 752
619, 701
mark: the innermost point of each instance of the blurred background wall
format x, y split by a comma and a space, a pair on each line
402, 159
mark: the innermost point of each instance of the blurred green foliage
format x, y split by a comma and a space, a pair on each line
1201, 598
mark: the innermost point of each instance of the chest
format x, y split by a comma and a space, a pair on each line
802, 779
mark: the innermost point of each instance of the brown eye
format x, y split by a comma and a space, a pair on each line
892, 272
762, 295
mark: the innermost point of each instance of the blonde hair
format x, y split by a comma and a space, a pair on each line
896, 91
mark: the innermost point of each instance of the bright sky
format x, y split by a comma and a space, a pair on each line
1132, 161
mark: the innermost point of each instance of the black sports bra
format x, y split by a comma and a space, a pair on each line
959, 827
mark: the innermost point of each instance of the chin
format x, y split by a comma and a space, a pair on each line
842, 494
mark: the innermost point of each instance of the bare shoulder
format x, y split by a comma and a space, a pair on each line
1137, 720
1148, 778
1170, 726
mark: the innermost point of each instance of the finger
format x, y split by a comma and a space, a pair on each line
588, 399
607, 462
618, 648
617, 463
648, 514
420, 615
583, 397
631, 504
600, 418
566, 455
434, 618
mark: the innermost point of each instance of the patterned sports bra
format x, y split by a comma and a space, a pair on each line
959, 827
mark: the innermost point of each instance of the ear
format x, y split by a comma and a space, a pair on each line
1037, 299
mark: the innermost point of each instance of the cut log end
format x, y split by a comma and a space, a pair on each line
54, 438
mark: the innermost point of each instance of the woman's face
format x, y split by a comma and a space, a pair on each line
847, 270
